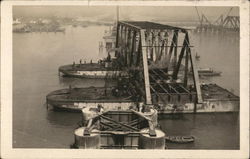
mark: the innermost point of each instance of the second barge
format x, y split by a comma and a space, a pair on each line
215, 99
75, 99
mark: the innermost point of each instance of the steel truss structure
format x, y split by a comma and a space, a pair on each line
223, 22
158, 58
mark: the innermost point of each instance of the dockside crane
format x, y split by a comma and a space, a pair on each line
226, 22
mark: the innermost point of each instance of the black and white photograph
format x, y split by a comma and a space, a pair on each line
116, 77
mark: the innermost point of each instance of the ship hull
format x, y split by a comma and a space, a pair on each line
208, 106
225, 102
76, 99
90, 71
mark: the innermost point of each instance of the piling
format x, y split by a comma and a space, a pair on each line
152, 142
91, 141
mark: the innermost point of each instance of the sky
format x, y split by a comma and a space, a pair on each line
133, 13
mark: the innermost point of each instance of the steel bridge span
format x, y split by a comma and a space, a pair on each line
158, 58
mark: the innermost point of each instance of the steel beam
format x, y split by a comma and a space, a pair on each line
164, 89
195, 77
119, 123
158, 95
163, 72
133, 49
145, 68
175, 49
131, 123
167, 84
186, 66
139, 54
117, 35
176, 69
130, 25
171, 49
184, 89
171, 87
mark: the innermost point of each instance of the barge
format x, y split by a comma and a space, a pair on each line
170, 90
104, 68
215, 99
91, 70
75, 99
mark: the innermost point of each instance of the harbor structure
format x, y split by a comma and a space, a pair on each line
223, 22
157, 59
120, 129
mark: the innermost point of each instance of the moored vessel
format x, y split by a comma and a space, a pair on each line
74, 99
215, 99
208, 72
104, 68
180, 139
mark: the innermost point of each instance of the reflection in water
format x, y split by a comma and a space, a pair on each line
219, 51
211, 131
62, 118
37, 56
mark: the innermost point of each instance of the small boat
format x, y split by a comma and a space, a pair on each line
197, 56
207, 72
180, 139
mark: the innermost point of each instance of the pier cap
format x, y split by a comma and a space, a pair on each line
92, 141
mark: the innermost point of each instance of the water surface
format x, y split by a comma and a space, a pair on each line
37, 56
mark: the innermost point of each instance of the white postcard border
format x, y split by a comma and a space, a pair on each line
6, 89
